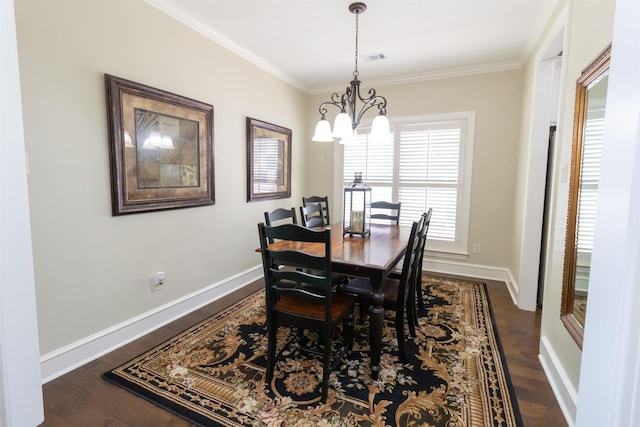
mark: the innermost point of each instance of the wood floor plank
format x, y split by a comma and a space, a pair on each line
519, 333
82, 398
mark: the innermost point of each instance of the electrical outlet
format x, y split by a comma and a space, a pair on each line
157, 281
476, 248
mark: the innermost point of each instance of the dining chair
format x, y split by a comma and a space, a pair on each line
312, 216
417, 286
396, 291
301, 300
386, 211
324, 201
423, 241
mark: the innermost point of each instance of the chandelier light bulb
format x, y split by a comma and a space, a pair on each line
342, 126
380, 132
323, 131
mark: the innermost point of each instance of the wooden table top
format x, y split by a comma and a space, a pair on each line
380, 251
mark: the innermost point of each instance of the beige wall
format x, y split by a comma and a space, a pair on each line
496, 99
92, 270
589, 31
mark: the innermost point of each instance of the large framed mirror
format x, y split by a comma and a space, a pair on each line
588, 131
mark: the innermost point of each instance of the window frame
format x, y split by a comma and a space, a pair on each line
459, 248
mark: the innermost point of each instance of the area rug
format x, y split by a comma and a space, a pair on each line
213, 373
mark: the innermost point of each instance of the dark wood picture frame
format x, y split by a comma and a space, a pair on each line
161, 149
268, 161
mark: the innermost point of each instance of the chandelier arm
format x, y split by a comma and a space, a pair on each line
380, 100
377, 101
337, 99
323, 110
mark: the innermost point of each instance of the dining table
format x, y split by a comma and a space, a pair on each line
372, 257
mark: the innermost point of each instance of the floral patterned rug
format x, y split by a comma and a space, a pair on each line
213, 373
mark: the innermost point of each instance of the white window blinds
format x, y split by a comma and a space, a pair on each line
429, 174
589, 177
267, 171
425, 165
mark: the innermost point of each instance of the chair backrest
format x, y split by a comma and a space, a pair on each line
280, 214
423, 233
426, 219
386, 211
306, 276
324, 201
409, 264
312, 216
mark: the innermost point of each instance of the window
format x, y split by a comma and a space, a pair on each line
427, 164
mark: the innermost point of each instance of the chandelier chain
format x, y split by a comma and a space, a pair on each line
355, 72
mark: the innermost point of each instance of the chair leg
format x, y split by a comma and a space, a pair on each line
412, 320
420, 293
402, 345
272, 329
412, 315
326, 368
348, 332
364, 310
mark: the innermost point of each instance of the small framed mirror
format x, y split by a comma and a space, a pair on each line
588, 132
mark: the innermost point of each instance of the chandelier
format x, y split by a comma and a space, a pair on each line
347, 121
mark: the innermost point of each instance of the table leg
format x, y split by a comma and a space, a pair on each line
376, 319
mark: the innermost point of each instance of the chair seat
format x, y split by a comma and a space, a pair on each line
341, 306
362, 288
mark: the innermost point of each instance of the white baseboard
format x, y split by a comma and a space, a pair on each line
74, 355
564, 391
474, 271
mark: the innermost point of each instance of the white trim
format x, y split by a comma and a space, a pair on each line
474, 271
431, 75
74, 355
20, 388
537, 146
566, 394
181, 16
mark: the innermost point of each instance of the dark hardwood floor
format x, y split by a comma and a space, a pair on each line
83, 398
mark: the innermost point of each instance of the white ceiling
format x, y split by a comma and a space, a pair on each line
311, 43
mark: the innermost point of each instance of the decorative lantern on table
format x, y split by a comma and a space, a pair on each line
357, 208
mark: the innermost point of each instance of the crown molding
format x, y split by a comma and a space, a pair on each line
431, 75
181, 16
